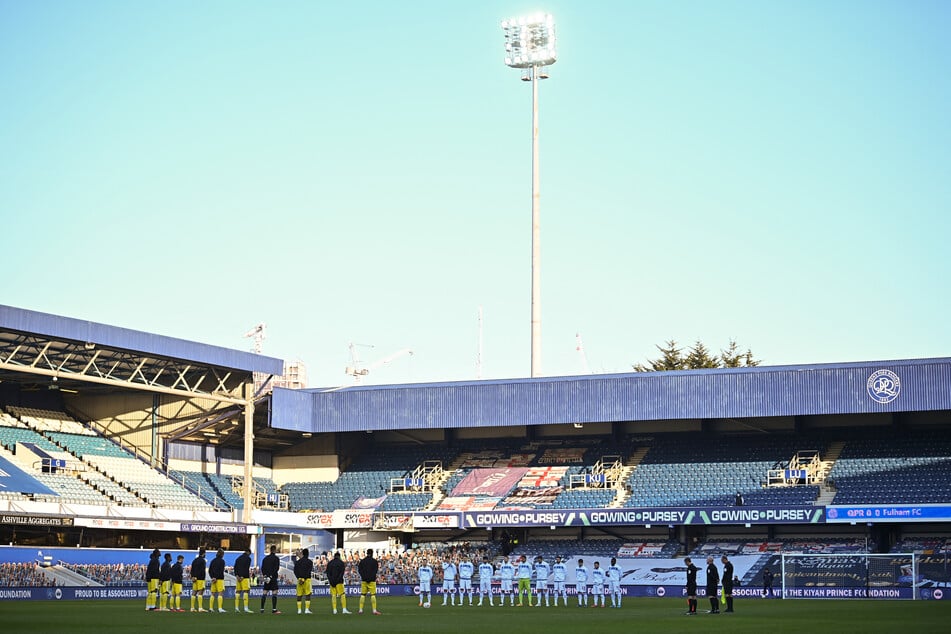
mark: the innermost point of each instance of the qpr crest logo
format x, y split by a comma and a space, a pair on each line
883, 386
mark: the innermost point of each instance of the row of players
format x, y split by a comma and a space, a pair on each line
164, 581
522, 572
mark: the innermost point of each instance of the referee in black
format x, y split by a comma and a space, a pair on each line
713, 580
727, 582
691, 586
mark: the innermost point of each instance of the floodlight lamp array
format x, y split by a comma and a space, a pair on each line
530, 41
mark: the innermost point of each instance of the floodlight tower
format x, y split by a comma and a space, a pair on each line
530, 46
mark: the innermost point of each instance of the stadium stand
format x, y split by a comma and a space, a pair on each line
44, 420
21, 575
369, 476
676, 473
889, 466
99, 471
930, 545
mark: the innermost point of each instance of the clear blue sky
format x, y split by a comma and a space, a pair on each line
774, 172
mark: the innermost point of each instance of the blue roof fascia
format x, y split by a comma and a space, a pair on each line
68, 328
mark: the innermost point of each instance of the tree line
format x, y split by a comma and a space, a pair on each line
697, 357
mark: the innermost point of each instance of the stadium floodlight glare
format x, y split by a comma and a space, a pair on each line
530, 45
530, 41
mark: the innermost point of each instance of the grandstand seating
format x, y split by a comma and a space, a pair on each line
107, 473
413, 501
890, 466
10, 436
674, 473
111, 489
368, 476
584, 498
149, 484
50, 420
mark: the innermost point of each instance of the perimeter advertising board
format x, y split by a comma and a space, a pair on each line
877, 513
646, 516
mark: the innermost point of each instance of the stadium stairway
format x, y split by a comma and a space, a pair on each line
62, 576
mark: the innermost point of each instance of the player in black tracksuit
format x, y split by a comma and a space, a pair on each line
152, 576
303, 570
713, 580
242, 573
176, 578
368, 568
727, 582
336, 570
165, 581
198, 572
691, 586
216, 570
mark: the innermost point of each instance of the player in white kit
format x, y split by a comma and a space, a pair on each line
486, 572
425, 573
581, 583
465, 580
449, 581
542, 570
559, 573
597, 585
506, 575
614, 582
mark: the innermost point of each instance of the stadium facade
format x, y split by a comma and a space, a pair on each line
187, 409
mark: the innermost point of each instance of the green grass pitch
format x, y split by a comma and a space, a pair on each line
403, 615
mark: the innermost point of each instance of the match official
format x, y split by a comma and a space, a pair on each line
727, 582
713, 580
692, 571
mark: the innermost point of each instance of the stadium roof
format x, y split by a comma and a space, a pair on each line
737, 393
39, 347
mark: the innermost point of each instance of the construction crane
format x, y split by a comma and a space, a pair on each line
259, 333
584, 357
357, 372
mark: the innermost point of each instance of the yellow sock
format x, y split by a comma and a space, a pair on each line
306, 604
362, 600
373, 601
343, 601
